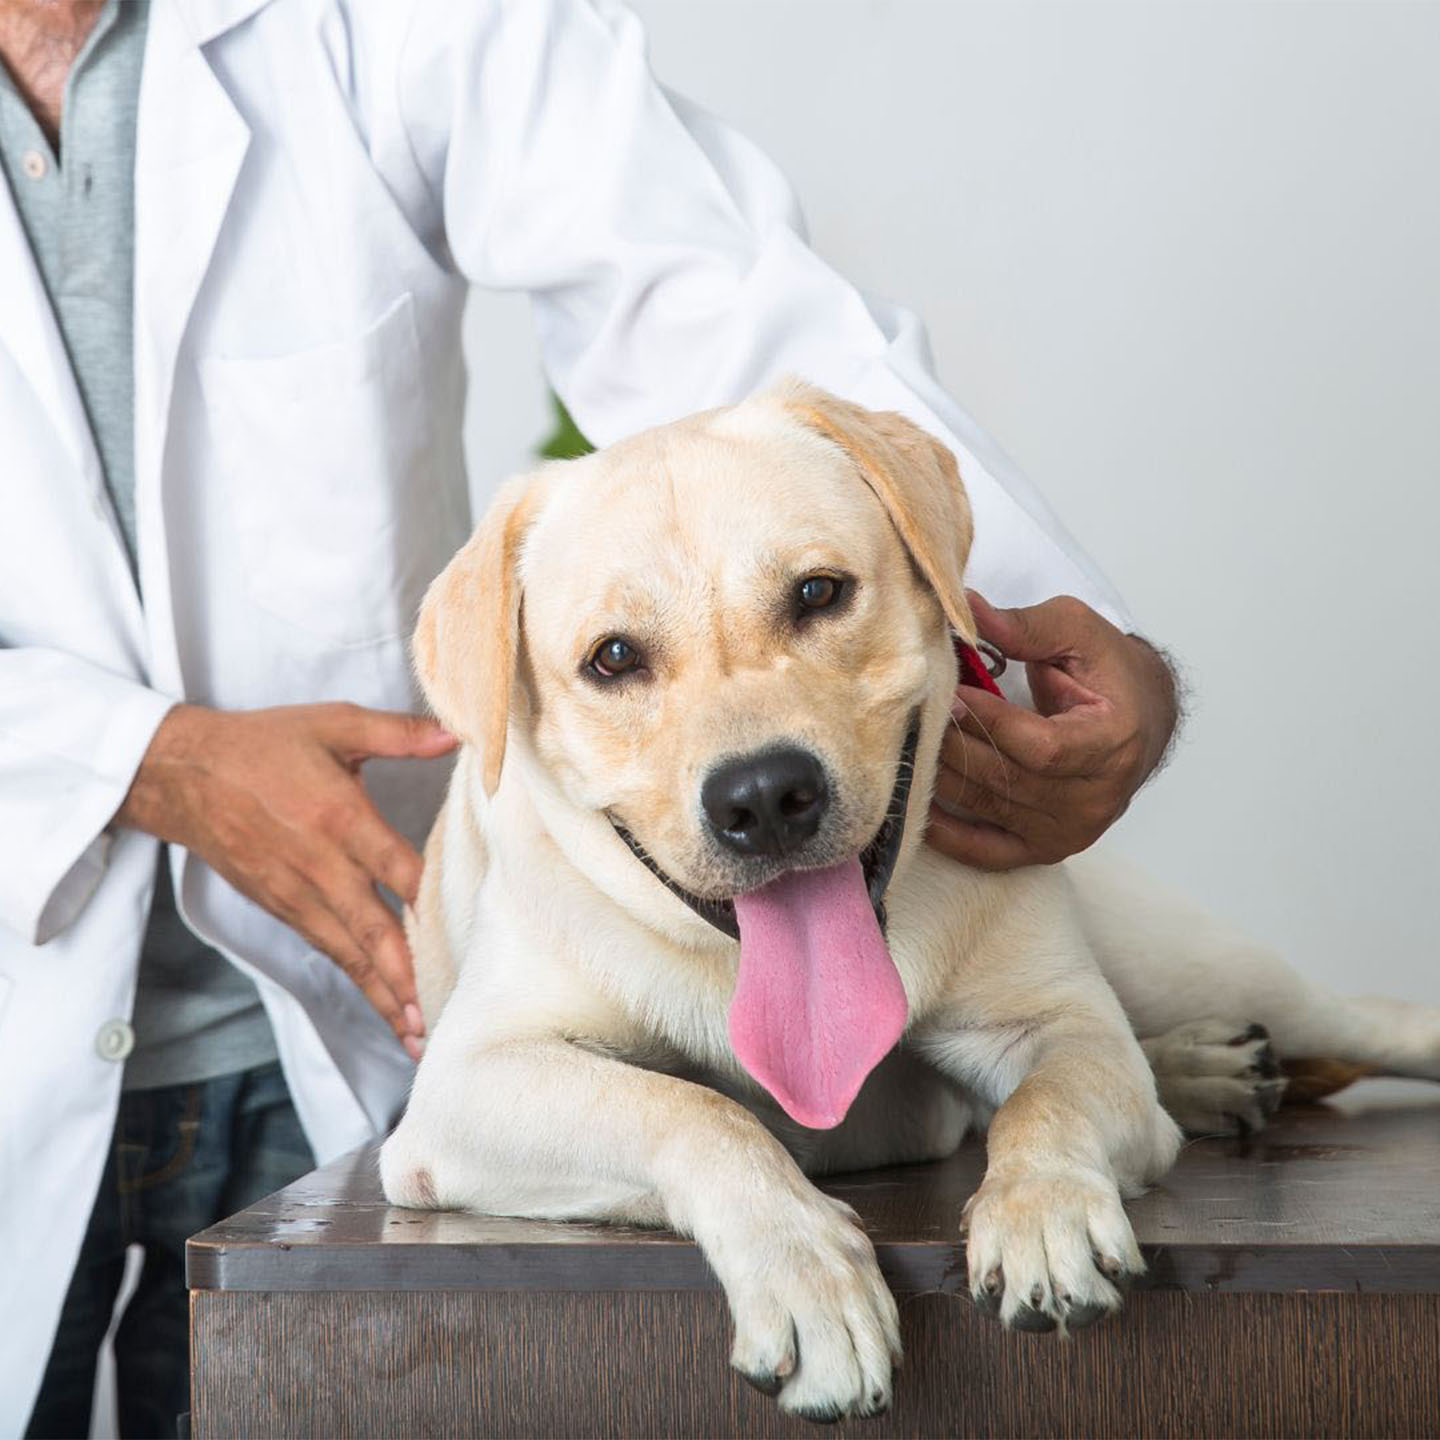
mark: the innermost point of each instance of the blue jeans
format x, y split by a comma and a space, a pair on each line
183, 1157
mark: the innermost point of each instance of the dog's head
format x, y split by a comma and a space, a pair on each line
730, 637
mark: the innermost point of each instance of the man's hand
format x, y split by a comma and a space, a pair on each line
272, 800
1048, 783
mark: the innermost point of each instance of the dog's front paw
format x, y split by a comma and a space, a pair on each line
815, 1322
1216, 1077
1050, 1250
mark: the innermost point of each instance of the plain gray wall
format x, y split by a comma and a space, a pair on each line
1181, 259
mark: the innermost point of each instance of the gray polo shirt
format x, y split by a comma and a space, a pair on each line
195, 1016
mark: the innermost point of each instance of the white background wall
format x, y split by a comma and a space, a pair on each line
1183, 260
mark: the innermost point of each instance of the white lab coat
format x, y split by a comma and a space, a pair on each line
317, 183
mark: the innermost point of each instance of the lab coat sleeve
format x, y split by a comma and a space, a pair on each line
72, 736
665, 255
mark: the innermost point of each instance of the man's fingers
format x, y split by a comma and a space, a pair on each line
385, 853
1073, 743
959, 793
309, 912
973, 776
372, 925
971, 842
356, 734
1042, 744
977, 784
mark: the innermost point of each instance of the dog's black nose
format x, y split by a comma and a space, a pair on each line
766, 804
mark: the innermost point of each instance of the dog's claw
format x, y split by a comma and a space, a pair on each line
1078, 1317
1033, 1320
767, 1383
1266, 1065
1253, 1031
827, 1416
1111, 1267
988, 1293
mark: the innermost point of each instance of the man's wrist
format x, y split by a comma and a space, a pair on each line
148, 805
1167, 685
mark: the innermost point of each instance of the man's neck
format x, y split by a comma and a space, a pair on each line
39, 40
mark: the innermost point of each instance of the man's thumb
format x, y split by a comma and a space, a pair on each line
1041, 632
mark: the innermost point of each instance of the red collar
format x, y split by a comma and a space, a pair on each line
973, 669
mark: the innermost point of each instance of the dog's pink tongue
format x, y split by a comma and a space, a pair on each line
818, 1001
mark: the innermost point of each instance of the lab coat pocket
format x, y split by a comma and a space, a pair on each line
329, 474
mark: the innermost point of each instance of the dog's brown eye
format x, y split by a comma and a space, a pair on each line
614, 657
819, 592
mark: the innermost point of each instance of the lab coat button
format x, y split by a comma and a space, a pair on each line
115, 1041
34, 164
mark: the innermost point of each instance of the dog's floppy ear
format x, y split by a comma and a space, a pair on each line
467, 639
916, 479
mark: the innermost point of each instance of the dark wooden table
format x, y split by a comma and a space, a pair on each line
1294, 1289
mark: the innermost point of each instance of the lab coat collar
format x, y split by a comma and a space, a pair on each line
190, 145
29, 330
205, 19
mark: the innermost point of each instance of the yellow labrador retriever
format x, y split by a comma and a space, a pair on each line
680, 943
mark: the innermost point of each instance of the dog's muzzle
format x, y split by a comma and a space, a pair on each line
765, 805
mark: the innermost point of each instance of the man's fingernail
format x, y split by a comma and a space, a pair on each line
414, 1020
414, 1047
959, 709
428, 732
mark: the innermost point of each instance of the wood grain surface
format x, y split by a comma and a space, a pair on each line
640, 1364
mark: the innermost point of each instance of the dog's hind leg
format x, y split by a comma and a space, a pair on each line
1188, 982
